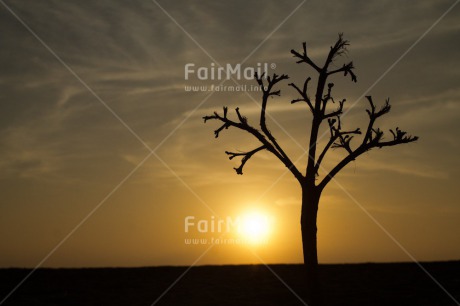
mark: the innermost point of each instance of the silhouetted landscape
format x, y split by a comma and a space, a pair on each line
126, 128
350, 284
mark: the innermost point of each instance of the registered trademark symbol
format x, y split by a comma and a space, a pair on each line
272, 65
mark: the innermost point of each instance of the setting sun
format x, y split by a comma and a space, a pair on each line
255, 227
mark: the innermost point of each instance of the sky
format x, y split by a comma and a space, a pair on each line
104, 153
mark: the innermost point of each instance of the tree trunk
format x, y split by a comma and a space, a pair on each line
310, 200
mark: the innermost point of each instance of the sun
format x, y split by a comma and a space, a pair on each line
255, 227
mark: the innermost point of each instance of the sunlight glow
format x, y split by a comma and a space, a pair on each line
255, 227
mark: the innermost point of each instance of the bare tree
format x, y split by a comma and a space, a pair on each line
312, 187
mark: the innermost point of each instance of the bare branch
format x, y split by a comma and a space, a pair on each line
346, 69
339, 48
266, 93
242, 119
216, 116
338, 112
332, 138
242, 125
371, 113
327, 97
398, 138
371, 134
385, 109
340, 166
270, 83
335, 133
263, 124
267, 143
303, 58
224, 126
372, 139
343, 142
303, 93
246, 157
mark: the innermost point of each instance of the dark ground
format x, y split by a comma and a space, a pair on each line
356, 284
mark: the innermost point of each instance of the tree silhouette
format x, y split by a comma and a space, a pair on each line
312, 187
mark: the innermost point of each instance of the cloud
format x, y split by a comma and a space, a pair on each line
289, 201
116, 50
404, 167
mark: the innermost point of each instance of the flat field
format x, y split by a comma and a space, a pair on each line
348, 284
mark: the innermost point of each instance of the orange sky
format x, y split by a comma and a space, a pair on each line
83, 105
